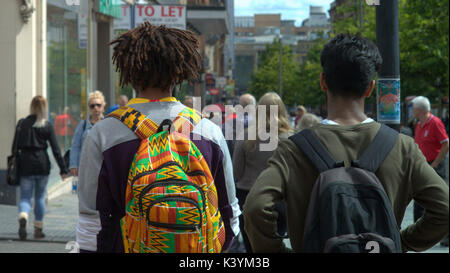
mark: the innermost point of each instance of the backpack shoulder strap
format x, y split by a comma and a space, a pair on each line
315, 150
378, 149
187, 118
139, 123
84, 124
144, 127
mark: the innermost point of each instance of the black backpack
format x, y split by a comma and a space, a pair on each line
349, 211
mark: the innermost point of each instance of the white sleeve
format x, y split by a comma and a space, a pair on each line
89, 220
230, 184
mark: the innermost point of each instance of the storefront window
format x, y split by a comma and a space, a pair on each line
66, 69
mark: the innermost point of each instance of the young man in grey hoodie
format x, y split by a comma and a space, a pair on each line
153, 60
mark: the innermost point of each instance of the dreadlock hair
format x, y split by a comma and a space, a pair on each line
156, 56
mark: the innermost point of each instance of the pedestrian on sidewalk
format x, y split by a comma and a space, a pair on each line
153, 59
301, 110
308, 120
121, 102
432, 139
96, 102
249, 160
34, 164
349, 65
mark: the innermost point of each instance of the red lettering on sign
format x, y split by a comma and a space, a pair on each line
124, 10
162, 12
172, 11
140, 9
180, 11
152, 11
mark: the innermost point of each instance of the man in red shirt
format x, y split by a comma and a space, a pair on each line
433, 141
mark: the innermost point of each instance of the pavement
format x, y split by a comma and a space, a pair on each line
60, 223
59, 227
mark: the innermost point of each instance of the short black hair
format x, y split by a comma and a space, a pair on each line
349, 64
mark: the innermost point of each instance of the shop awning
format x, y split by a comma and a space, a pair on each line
208, 20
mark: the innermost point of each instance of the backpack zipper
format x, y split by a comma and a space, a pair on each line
172, 163
171, 182
175, 226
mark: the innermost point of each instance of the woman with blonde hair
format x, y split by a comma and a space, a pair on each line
96, 103
307, 121
249, 160
32, 135
301, 110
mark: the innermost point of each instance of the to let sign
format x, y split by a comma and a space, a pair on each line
171, 16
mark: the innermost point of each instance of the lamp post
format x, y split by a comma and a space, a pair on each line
280, 69
388, 82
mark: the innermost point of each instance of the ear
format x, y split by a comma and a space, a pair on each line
370, 89
323, 84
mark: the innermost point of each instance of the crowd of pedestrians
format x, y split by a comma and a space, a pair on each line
262, 195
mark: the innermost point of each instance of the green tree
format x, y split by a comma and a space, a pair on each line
308, 76
424, 48
357, 17
423, 37
266, 78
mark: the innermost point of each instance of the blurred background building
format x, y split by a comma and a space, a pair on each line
59, 49
254, 33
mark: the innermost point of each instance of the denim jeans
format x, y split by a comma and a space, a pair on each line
39, 184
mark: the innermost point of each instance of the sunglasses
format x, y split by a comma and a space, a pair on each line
92, 106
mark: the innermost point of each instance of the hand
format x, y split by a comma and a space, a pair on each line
64, 176
74, 171
434, 165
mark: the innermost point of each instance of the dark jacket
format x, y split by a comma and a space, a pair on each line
32, 147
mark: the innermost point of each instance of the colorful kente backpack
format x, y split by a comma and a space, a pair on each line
171, 199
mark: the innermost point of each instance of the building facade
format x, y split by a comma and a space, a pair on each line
57, 49
254, 33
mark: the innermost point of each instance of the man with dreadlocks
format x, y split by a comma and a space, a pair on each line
153, 59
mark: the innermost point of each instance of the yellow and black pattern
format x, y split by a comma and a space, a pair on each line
171, 199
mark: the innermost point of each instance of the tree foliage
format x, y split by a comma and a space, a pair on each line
424, 48
424, 53
423, 38
266, 78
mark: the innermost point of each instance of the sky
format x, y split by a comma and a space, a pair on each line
290, 9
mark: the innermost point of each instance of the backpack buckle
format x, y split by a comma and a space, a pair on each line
339, 164
356, 164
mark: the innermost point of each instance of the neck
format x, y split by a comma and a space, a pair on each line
424, 118
95, 118
151, 93
345, 111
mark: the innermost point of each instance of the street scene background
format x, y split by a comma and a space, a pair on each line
59, 49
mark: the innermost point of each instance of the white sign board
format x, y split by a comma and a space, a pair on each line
173, 16
221, 82
124, 22
82, 31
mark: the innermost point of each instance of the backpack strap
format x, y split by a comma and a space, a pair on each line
316, 152
139, 123
187, 118
378, 149
144, 127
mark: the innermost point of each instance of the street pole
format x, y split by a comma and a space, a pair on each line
133, 25
388, 80
280, 70
361, 22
